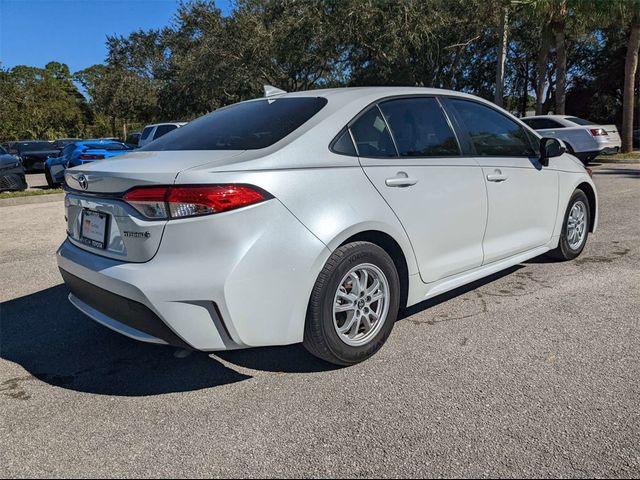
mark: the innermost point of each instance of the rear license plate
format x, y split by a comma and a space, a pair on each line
94, 229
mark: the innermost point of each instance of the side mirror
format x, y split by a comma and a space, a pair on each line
549, 148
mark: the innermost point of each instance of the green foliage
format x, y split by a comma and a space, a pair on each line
204, 60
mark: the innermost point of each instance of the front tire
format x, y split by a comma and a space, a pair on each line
354, 304
575, 228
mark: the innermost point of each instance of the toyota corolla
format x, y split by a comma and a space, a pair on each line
314, 217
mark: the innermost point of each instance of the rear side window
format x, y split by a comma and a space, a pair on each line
163, 129
492, 133
372, 135
2, 151
344, 145
420, 128
542, 123
243, 126
146, 132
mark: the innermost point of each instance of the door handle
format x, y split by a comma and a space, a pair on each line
401, 180
497, 176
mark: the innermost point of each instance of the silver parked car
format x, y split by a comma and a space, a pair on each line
584, 138
314, 217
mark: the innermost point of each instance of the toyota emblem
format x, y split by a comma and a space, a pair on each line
82, 181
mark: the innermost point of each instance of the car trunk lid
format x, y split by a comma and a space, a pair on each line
99, 221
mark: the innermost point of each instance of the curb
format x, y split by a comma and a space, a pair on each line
46, 198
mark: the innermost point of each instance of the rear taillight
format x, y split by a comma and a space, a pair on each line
159, 203
598, 132
86, 156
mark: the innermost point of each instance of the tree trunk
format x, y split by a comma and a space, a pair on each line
630, 68
559, 24
541, 67
124, 130
525, 91
113, 126
502, 55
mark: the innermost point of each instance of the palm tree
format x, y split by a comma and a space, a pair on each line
630, 70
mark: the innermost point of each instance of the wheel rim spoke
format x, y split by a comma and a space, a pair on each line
361, 304
577, 225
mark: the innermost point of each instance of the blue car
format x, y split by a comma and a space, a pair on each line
79, 153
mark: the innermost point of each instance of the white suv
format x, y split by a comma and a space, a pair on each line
156, 130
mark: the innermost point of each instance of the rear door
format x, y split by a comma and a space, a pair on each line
437, 192
523, 195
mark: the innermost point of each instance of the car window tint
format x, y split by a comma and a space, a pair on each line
420, 128
106, 146
492, 133
163, 129
542, 123
243, 126
344, 145
146, 132
372, 135
2, 151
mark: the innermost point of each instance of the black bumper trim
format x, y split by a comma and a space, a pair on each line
123, 310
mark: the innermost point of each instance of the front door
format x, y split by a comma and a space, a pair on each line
523, 195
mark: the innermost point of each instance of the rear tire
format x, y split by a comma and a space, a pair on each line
354, 304
575, 228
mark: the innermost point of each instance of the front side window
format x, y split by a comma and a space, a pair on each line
492, 133
243, 126
420, 128
372, 136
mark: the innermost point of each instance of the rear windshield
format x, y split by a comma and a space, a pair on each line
242, 126
579, 121
109, 147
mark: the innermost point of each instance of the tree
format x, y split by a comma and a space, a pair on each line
502, 53
630, 70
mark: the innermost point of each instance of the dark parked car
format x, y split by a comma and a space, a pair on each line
11, 172
133, 139
33, 153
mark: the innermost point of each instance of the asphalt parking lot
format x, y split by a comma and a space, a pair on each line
532, 372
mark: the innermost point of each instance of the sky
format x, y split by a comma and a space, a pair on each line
35, 32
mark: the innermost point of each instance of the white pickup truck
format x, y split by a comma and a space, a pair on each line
583, 138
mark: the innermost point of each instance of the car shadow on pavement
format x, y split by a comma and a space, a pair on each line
57, 344
456, 292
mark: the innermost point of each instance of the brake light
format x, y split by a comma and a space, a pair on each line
87, 156
598, 132
589, 171
191, 200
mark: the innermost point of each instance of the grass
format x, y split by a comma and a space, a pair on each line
621, 156
30, 193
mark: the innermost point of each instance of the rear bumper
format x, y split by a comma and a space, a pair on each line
228, 281
119, 313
